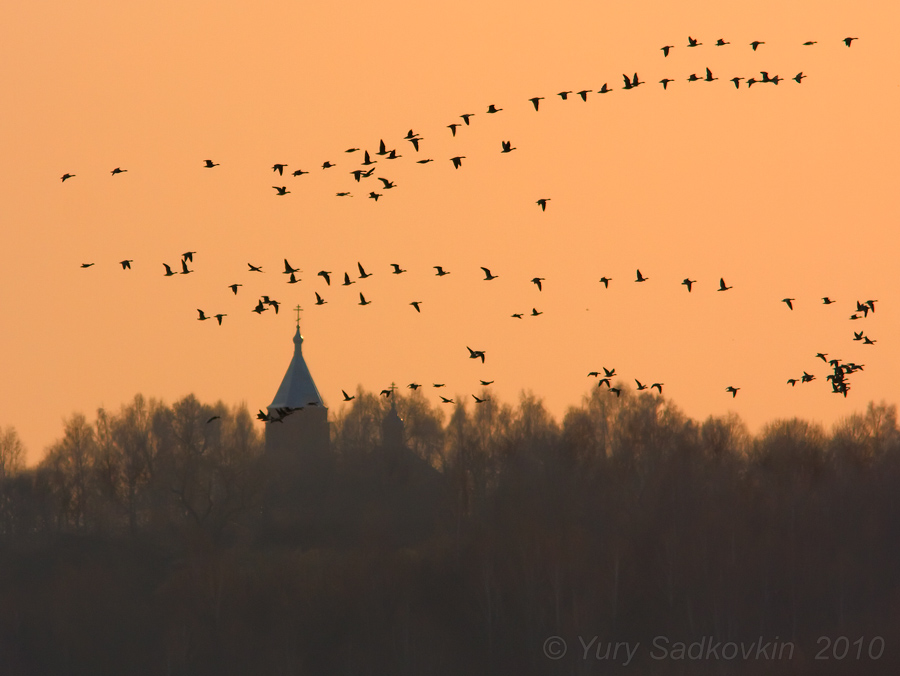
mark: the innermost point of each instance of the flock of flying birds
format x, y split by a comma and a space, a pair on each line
838, 378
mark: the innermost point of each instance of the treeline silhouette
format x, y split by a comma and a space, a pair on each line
149, 542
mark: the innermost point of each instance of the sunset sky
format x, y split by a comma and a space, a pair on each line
785, 191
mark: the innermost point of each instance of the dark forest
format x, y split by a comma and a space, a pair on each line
150, 541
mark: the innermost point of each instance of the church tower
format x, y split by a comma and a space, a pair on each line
302, 435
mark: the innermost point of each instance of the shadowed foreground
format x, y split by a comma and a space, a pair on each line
151, 541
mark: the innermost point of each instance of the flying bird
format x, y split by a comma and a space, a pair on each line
362, 273
397, 269
604, 89
733, 390
126, 264
215, 417
233, 287
328, 165
202, 317
362, 300
347, 397
543, 203
535, 313
255, 268
440, 271
479, 401
447, 401
425, 161
387, 184
475, 354
374, 195
721, 43
219, 317
347, 280
737, 82
485, 383
640, 277
665, 49
756, 43
583, 94
168, 272
66, 177
799, 77
640, 385
847, 41
606, 281
281, 191
324, 275
507, 146
457, 161
416, 304
722, 286
293, 279
688, 283
788, 302
493, 109
319, 299
487, 274
658, 386
535, 101
564, 95
809, 42
827, 301
537, 282
693, 43
117, 170
516, 315
87, 265
279, 168
288, 269
465, 118
414, 386
452, 127
184, 267
709, 77
299, 172
665, 82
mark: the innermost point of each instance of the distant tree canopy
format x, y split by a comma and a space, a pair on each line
144, 541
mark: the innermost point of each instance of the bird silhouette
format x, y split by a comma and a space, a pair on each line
416, 304
487, 274
537, 282
788, 302
188, 256
279, 168
507, 146
87, 265
792, 381
397, 269
347, 280
343, 194
414, 386
658, 386
847, 41
126, 264
457, 161
215, 417
709, 77
446, 400
374, 195
387, 184
535, 313
765, 76
798, 78
452, 127
609, 373
583, 94
823, 356
693, 77
347, 397
319, 299
219, 317
202, 317
640, 385
809, 42
564, 95
604, 89
493, 109
260, 308
168, 272
630, 84
255, 268
479, 401
299, 172
440, 271
184, 268
733, 390
415, 141
66, 177
688, 283
827, 301
516, 315
117, 170
756, 43
425, 161
871, 304
640, 277
722, 286
357, 174
234, 288
543, 203
617, 391
868, 341
281, 190
362, 273
293, 279
288, 269
751, 82
328, 165
721, 43
465, 118
737, 82
324, 274
385, 393
362, 300
665, 82
485, 383
692, 42
606, 281
475, 354
665, 49
536, 100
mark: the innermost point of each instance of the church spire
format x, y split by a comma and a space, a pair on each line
297, 388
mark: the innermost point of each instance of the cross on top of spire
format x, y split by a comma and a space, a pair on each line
298, 310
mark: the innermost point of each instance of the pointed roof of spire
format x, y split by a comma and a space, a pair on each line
297, 388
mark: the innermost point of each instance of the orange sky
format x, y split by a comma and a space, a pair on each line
786, 191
